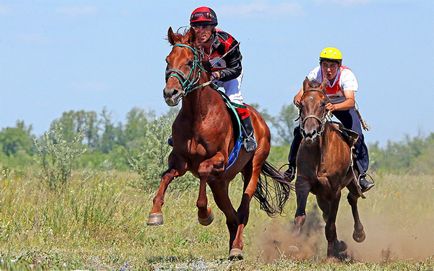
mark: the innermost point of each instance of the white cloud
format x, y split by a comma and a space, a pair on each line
75, 11
261, 8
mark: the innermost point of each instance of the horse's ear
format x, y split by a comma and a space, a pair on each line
189, 37
305, 84
171, 36
324, 83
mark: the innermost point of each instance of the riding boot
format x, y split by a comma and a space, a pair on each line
362, 162
292, 156
249, 137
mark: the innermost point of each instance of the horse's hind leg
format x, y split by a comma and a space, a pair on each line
324, 206
221, 198
359, 233
335, 248
177, 167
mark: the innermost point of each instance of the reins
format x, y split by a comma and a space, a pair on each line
188, 82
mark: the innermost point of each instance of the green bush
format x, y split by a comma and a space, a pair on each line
151, 160
57, 155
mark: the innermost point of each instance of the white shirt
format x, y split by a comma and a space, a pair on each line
345, 79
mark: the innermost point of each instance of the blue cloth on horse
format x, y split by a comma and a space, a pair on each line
234, 154
237, 131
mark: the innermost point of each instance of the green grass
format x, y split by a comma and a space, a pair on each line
98, 222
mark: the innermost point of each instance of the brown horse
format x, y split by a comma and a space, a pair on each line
203, 138
324, 168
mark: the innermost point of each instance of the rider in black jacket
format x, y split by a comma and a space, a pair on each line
222, 57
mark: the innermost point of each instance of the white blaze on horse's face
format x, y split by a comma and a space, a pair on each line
312, 116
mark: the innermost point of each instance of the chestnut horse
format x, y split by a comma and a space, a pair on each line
324, 168
203, 138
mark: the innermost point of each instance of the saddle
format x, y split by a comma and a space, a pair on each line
348, 135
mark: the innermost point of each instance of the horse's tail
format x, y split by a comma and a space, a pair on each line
272, 194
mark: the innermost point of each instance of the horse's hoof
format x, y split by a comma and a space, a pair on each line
208, 220
340, 250
155, 219
359, 236
342, 246
235, 254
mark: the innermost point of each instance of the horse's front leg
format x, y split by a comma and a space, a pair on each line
214, 164
335, 248
359, 233
302, 189
204, 213
177, 167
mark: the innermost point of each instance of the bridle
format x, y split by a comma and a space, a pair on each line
322, 120
188, 82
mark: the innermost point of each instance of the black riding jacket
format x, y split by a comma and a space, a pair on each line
230, 66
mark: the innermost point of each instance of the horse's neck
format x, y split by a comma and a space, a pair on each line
328, 142
201, 101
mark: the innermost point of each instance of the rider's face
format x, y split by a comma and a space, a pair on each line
203, 33
329, 69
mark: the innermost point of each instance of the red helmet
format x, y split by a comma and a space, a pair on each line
203, 16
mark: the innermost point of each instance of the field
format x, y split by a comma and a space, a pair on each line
98, 221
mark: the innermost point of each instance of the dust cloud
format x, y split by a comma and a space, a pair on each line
389, 237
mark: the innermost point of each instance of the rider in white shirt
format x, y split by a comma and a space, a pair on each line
340, 89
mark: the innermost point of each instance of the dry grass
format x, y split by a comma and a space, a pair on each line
98, 222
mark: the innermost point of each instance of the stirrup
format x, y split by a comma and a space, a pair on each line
170, 141
250, 144
365, 185
290, 173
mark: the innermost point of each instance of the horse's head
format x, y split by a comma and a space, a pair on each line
312, 110
183, 67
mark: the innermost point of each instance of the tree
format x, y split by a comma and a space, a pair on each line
75, 122
109, 137
284, 123
135, 128
15, 139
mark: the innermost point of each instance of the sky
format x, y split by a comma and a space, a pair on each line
57, 56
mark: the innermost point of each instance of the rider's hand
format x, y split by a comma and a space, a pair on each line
206, 65
215, 75
330, 107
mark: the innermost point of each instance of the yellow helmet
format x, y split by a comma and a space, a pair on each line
331, 53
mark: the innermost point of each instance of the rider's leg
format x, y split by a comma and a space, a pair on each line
249, 137
351, 120
292, 156
233, 91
